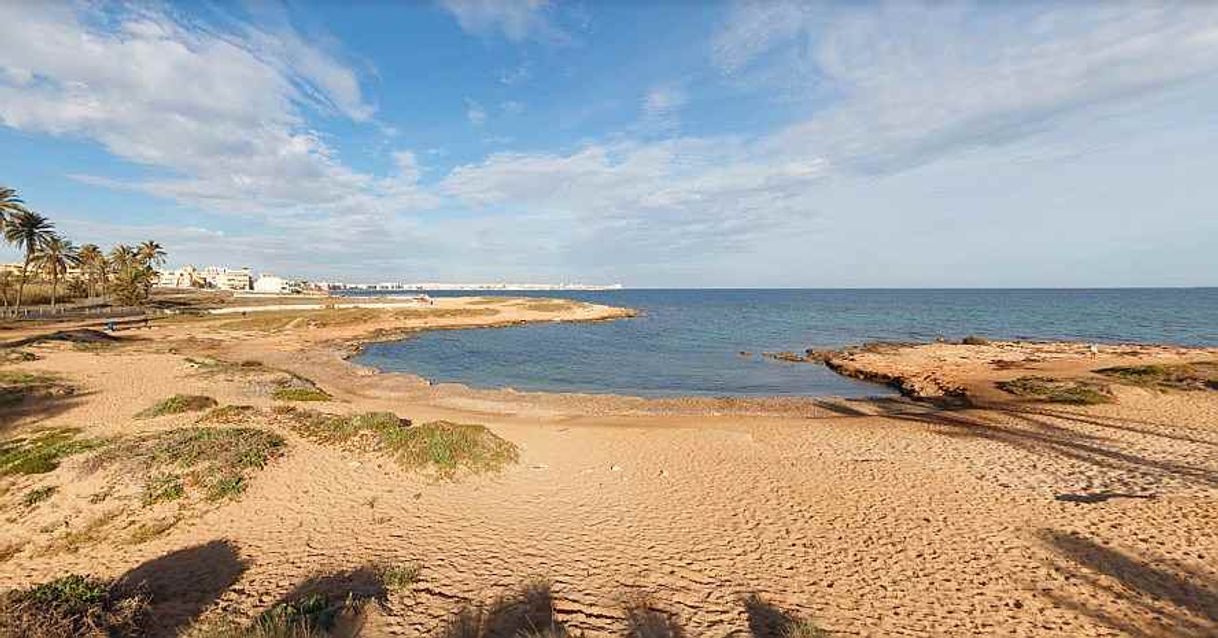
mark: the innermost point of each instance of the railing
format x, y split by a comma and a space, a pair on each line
44, 313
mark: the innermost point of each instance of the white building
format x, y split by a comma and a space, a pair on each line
276, 285
184, 277
225, 279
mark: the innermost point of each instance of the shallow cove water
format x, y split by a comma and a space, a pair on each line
689, 342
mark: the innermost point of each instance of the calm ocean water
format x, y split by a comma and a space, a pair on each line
687, 342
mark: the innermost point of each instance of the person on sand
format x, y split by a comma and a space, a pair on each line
1094, 350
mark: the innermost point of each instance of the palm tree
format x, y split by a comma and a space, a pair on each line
10, 203
151, 253
93, 262
27, 231
54, 257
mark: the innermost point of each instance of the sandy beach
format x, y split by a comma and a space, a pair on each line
995, 513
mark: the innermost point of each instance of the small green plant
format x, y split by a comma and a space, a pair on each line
42, 453
162, 487
38, 495
442, 447
218, 460
400, 576
71, 606
1198, 375
148, 531
292, 393
1056, 390
177, 404
230, 415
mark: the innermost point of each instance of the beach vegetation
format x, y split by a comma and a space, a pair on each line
440, 447
1071, 391
162, 487
218, 461
43, 452
145, 532
1197, 375
399, 575
177, 404
230, 415
296, 393
16, 356
38, 495
73, 540
72, 607
974, 340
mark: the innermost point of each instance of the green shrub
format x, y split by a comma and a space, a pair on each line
291, 393
219, 460
177, 404
163, 487
72, 607
38, 495
42, 453
441, 447
400, 576
1056, 390
1198, 375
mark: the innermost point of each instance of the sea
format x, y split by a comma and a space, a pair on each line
710, 342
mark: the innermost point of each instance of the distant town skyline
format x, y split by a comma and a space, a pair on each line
735, 144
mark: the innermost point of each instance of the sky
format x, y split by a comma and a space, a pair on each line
666, 144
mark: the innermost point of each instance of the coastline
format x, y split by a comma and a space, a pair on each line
794, 501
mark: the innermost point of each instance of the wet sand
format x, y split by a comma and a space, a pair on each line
873, 518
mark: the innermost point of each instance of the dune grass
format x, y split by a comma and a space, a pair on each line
43, 452
38, 495
1053, 390
72, 607
16, 386
441, 447
1197, 375
295, 393
230, 415
218, 461
400, 576
178, 404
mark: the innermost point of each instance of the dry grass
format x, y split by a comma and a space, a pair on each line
43, 452
72, 607
8, 356
178, 404
1198, 375
38, 495
218, 461
1070, 391
150, 530
400, 576
548, 306
440, 447
17, 386
231, 415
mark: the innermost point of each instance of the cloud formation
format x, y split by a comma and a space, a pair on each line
219, 110
516, 20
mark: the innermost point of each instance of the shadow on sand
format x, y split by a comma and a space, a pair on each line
184, 583
527, 612
1163, 599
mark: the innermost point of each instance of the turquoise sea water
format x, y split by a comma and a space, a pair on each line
687, 342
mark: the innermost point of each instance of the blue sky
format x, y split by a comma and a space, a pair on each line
652, 144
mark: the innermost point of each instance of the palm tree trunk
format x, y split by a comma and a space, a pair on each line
54, 286
25, 267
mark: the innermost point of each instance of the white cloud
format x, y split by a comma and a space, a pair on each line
516, 20
474, 112
661, 106
223, 113
905, 83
